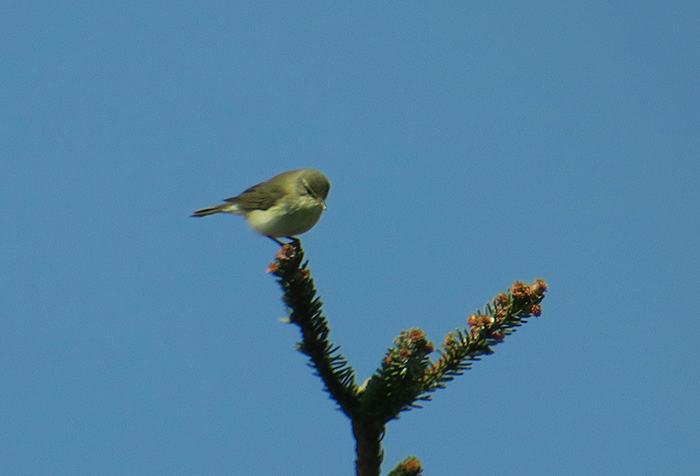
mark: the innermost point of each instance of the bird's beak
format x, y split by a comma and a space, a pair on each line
323, 205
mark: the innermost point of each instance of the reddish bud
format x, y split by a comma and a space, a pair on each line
412, 465
416, 335
287, 252
520, 290
539, 287
273, 267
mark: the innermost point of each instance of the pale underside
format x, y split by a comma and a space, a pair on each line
284, 219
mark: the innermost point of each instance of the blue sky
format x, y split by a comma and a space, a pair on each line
469, 144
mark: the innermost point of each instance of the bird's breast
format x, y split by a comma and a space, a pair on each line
286, 218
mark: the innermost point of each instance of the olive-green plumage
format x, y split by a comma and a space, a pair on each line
288, 204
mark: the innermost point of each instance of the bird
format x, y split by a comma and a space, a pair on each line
287, 205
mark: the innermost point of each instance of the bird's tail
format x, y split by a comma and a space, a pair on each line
209, 211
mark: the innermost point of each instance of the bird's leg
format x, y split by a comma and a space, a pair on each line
293, 241
276, 240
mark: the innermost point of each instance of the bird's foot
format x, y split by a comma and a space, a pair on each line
293, 241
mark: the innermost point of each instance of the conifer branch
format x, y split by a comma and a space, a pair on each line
409, 467
406, 375
368, 435
487, 328
305, 311
396, 385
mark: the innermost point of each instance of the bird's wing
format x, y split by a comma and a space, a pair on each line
257, 197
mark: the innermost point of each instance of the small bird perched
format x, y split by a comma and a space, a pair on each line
288, 204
